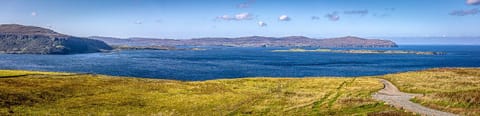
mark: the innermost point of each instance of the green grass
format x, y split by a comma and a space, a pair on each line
14, 73
46, 93
455, 90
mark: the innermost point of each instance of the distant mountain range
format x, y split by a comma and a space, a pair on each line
254, 41
19, 39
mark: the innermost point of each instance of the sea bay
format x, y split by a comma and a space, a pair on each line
234, 62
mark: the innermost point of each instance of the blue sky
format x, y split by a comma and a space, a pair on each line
181, 19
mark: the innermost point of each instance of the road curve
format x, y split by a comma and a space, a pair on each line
391, 95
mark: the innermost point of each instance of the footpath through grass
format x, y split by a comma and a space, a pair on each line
455, 90
45, 93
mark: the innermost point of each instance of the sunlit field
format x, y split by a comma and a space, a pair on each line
40, 93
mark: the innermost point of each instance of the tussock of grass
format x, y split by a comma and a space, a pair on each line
42, 93
455, 90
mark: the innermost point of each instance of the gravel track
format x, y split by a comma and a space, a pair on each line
391, 95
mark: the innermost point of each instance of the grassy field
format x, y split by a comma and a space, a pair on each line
47, 93
454, 90
41, 93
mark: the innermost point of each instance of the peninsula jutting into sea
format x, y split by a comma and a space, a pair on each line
19, 39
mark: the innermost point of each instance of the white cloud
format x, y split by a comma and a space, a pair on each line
243, 16
237, 17
473, 2
262, 24
225, 17
33, 13
333, 16
284, 18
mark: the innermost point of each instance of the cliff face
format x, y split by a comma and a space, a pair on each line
256, 41
19, 39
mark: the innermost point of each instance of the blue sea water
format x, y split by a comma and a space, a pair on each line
229, 62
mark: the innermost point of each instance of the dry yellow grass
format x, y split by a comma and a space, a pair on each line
455, 90
14, 73
27, 93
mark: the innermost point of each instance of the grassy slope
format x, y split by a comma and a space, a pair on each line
40, 93
453, 90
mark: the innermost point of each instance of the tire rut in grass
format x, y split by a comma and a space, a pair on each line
317, 105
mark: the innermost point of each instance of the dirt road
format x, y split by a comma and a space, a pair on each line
391, 95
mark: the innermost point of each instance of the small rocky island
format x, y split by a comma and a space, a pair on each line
20, 39
364, 51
